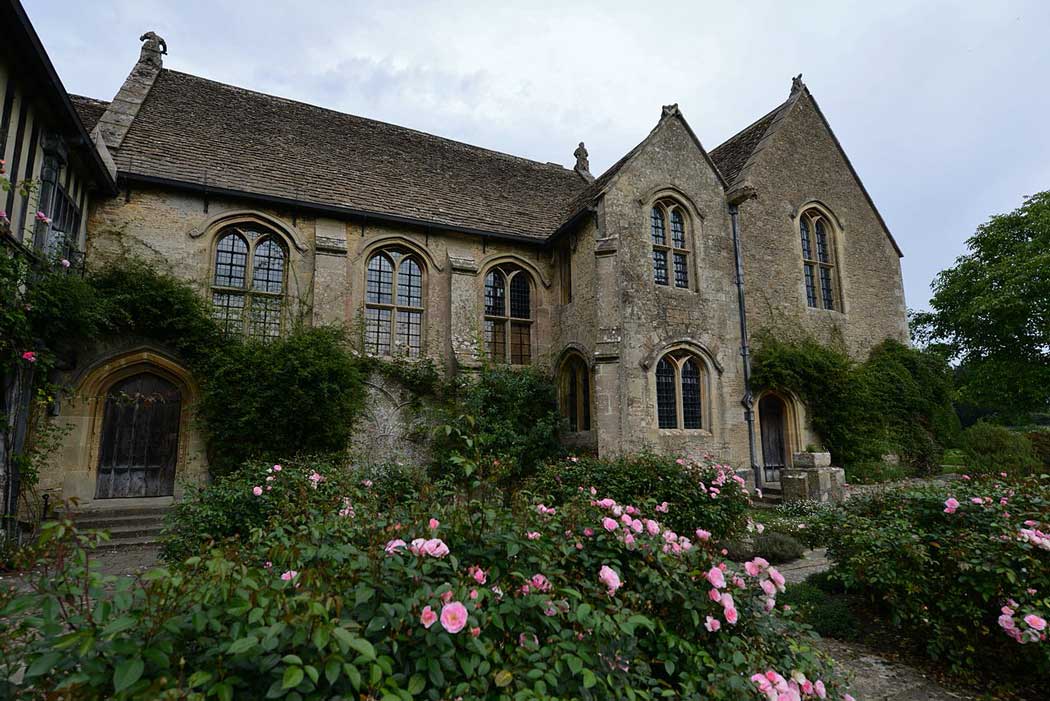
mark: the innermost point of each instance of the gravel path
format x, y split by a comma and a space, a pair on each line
874, 678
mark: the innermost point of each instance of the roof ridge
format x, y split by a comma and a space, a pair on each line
89, 99
548, 165
767, 115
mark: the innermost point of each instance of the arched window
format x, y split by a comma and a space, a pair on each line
680, 391
818, 259
394, 303
508, 315
575, 393
254, 303
670, 254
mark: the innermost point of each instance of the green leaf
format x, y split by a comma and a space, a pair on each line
331, 670
119, 625
199, 678
343, 637
293, 676
364, 647
575, 663
127, 673
589, 679
43, 664
416, 684
242, 645
503, 678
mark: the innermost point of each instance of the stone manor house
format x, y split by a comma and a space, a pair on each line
623, 286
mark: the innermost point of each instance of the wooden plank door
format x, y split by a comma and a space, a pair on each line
774, 449
140, 438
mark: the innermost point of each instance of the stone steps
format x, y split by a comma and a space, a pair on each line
131, 524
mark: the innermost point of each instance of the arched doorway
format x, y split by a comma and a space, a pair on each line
140, 438
772, 416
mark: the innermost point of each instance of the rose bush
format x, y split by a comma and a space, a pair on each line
964, 567
431, 597
696, 492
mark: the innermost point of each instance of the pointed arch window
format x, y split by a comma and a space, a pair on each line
680, 391
508, 315
818, 259
575, 393
670, 253
249, 282
394, 304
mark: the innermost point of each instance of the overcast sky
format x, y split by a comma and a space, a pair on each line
943, 107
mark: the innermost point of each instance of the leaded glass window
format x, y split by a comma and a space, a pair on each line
252, 306
508, 327
670, 256
575, 393
818, 260
394, 304
680, 391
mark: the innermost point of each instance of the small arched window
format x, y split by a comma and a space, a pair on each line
680, 391
670, 253
249, 303
818, 259
575, 393
508, 315
394, 304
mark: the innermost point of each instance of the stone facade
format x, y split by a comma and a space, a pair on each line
592, 291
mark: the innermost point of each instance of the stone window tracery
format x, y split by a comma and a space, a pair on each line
244, 303
394, 303
818, 259
670, 253
508, 315
680, 391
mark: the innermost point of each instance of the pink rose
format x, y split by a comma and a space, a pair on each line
475, 632
453, 617
276, 468
588, 532
394, 545
716, 578
257, 491
712, 624
1035, 622
428, 617
435, 547
29, 356
532, 535
652, 527
818, 687
478, 574
434, 523
663, 507
701, 534
609, 578
289, 575
714, 595
609, 524
731, 616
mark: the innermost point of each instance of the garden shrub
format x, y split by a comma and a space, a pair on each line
898, 401
514, 417
989, 449
829, 614
1041, 445
778, 548
434, 597
699, 492
877, 471
964, 567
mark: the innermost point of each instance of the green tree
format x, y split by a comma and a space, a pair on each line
991, 311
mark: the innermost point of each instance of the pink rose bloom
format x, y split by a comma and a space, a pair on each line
663, 507
478, 574
609, 578
848, 697
394, 545
434, 523
605, 503
64, 263
637, 526
609, 524
731, 616
777, 578
1035, 622
540, 582
435, 547
475, 632
532, 535
626, 520
453, 617
768, 587
752, 568
950, 505
818, 686
447, 596
257, 491
428, 617
652, 527
701, 534
716, 578
714, 595
473, 594
976, 500
628, 540
289, 575
588, 532
1006, 622
29, 356
739, 582
276, 468
712, 624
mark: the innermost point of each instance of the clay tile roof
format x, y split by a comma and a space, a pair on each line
731, 157
195, 130
89, 109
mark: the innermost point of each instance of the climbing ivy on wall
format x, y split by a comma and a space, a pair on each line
899, 400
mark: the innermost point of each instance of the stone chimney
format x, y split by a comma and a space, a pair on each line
120, 114
583, 165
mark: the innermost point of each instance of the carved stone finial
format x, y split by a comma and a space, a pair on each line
153, 48
796, 84
583, 165
669, 110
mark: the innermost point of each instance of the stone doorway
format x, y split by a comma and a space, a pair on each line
140, 438
772, 416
